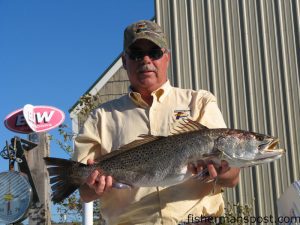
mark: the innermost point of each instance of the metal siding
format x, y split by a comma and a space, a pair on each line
247, 53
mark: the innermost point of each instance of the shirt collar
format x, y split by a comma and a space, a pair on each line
160, 95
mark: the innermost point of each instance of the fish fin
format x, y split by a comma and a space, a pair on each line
119, 185
62, 182
202, 175
145, 138
185, 126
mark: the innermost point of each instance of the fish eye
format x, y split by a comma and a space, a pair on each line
260, 138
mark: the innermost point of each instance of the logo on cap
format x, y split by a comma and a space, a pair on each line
140, 27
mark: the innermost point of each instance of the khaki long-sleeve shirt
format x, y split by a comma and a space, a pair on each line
120, 122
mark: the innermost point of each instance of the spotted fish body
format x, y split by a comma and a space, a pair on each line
162, 161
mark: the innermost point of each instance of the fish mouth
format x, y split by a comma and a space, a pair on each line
273, 144
269, 145
269, 150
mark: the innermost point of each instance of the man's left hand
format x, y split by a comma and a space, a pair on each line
226, 176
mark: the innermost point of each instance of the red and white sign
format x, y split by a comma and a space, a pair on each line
34, 119
16, 122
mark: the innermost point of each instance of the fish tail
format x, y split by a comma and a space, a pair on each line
64, 177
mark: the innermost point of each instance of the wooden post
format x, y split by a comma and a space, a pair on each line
39, 214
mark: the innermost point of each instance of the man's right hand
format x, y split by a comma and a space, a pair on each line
95, 186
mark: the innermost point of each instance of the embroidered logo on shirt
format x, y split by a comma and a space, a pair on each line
181, 113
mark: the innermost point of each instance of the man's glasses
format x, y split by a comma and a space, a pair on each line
138, 55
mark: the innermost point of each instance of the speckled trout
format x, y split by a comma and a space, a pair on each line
162, 161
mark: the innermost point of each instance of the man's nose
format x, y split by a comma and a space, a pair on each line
146, 59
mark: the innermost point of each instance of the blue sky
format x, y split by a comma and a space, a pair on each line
51, 52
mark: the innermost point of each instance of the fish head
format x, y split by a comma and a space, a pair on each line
243, 148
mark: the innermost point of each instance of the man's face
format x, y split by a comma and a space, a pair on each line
145, 72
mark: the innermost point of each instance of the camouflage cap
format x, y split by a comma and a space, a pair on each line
144, 29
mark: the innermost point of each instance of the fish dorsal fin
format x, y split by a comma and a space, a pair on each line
145, 138
185, 126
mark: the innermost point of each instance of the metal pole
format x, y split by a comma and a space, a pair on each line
87, 218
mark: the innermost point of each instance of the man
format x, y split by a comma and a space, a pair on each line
151, 107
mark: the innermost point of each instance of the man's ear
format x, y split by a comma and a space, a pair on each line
124, 61
168, 58
169, 55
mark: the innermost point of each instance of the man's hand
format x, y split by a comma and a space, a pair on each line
226, 176
95, 186
99, 183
